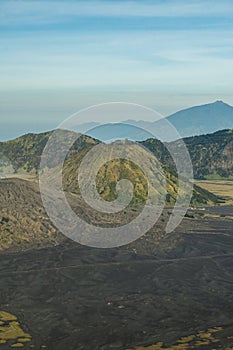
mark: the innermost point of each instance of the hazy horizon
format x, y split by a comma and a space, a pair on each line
91, 124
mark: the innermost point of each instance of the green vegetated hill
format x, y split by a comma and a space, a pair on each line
24, 154
23, 220
118, 169
211, 154
115, 170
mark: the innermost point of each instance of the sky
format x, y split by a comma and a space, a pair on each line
57, 57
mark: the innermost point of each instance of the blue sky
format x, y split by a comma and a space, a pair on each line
59, 56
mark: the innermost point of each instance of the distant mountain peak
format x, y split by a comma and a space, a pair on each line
217, 103
220, 102
204, 119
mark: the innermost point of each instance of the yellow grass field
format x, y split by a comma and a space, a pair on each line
219, 187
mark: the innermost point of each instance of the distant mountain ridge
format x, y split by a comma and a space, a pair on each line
203, 119
193, 121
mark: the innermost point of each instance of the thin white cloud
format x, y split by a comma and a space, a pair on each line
33, 12
148, 48
168, 59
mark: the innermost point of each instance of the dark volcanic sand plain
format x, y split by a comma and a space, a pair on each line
71, 297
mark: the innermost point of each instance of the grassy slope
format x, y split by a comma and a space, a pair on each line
24, 155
